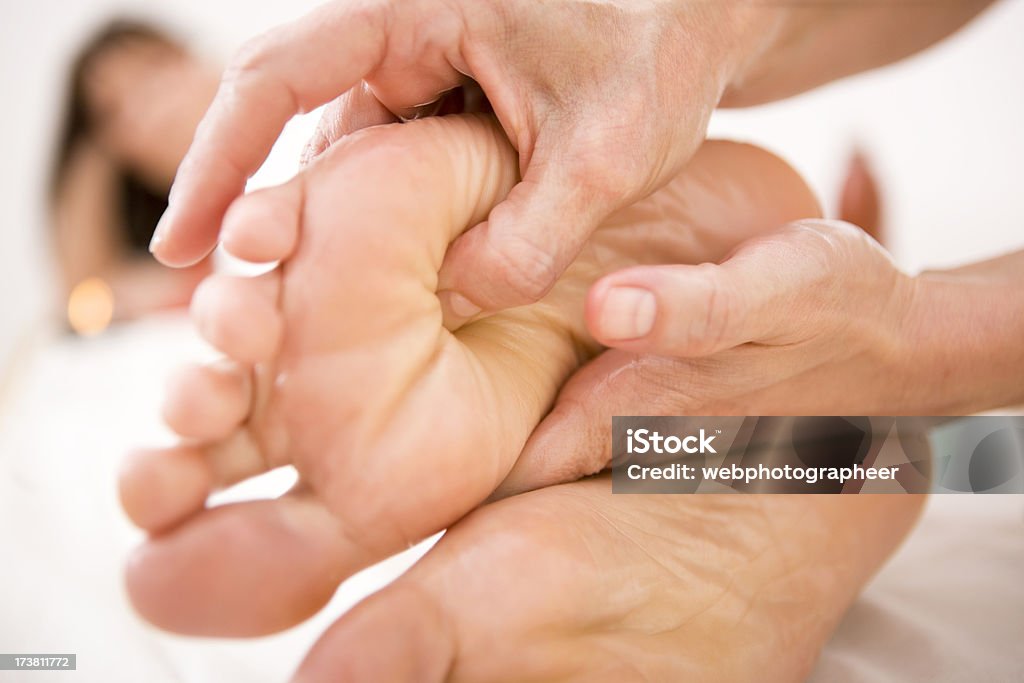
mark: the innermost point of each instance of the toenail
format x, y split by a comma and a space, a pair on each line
627, 313
461, 306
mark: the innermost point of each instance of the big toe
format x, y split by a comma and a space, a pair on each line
245, 569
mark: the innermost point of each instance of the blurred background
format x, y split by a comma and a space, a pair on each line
40, 43
941, 133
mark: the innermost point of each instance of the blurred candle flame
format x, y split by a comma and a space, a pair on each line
90, 307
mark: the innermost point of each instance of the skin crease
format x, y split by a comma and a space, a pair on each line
571, 583
397, 426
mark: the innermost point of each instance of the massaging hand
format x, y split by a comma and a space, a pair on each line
604, 103
814, 319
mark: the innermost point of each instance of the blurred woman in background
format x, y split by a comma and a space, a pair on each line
135, 98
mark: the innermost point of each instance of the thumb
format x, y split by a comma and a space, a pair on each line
529, 239
358, 108
575, 439
775, 289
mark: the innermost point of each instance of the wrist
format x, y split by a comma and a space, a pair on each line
738, 34
770, 34
960, 349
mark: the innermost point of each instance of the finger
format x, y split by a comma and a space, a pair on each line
357, 109
290, 70
529, 239
360, 108
415, 91
860, 202
777, 289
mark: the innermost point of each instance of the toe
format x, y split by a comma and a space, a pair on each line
239, 315
161, 487
208, 402
238, 458
263, 226
242, 570
471, 608
398, 634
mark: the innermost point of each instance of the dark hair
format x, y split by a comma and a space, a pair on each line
140, 206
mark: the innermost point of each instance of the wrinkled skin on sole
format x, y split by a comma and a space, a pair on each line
339, 364
572, 583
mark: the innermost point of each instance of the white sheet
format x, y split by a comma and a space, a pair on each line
949, 607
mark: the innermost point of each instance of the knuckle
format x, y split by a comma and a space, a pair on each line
826, 240
525, 268
832, 247
599, 184
615, 160
251, 74
707, 327
247, 60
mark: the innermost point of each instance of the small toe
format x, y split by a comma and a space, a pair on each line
239, 315
208, 402
161, 487
237, 458
263, 226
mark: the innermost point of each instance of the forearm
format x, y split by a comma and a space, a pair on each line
810, 44
965, 337
140, 286
86, 243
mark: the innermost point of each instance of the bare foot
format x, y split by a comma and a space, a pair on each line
340, 365
572, 583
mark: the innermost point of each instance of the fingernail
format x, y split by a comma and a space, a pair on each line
158, 234
461, 306
627, 313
